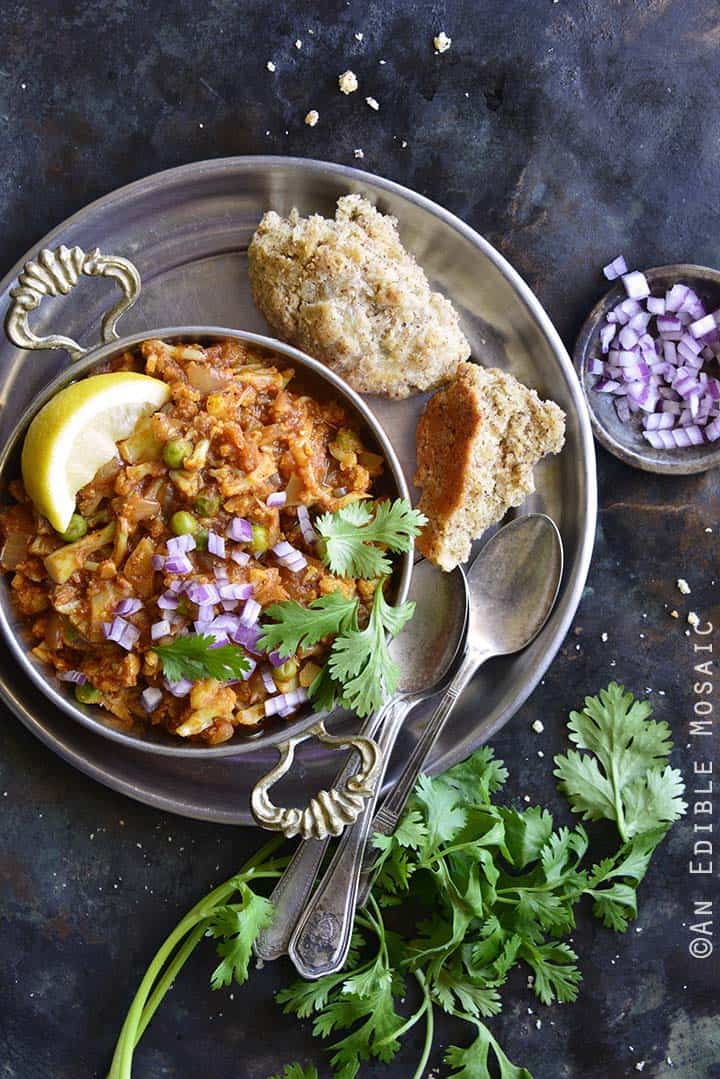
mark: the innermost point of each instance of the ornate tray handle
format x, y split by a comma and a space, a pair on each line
329, 812
55, 273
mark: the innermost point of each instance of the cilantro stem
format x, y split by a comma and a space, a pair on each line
617, 796
429, 1025
143, 1005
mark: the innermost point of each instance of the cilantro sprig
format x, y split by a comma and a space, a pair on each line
194, 657
360, 671
354, 538
480, 888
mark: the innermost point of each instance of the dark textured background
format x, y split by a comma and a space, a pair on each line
565, 132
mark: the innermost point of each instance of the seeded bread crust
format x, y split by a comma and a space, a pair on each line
478, 441
347, 292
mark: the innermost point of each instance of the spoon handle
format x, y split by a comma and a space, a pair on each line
388, 815
321, 942
292, 891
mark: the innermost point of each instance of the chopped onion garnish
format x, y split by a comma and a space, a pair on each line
240, 557
216, 545
247, 636
160, 629
178, 689
180, 544
289, 556
268, 680
73, 676
308, 532
615, 269
180, 565
128, 606
203, 593
239, 530
251, 613
277, 498
654, 357
276, 659
158, 562
277, 705
235, 591
151, 698
168, 602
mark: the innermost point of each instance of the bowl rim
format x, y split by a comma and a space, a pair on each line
81, 368
660, 462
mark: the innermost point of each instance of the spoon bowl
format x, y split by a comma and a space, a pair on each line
513, 583
428, 646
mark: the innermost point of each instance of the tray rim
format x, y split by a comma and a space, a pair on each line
190, 171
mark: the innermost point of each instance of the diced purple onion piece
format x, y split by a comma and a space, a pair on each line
308, 532
220, 572
203, 593
150, 698
240, 557
178, 689
268, 680
168, 602
180, 565
180, 544
216, 545
239, 530
277, 498
655, 305
658, 421
158, 562
276, 659
712, 431
240, 590
247, 636
615, 269
291, 700
607, 333
251, 613
131, 605
229, 604
282, 549
594, 367
77, 677
628, 337
160, 629
704, 325
206, 612
636, 285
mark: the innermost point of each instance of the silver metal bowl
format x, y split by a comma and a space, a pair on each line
28, 295
625, 440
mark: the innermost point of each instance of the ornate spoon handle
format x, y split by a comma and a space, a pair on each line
321, 941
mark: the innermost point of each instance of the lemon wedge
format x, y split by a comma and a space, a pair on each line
75, 433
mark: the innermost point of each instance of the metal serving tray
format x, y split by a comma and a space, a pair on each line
187, 231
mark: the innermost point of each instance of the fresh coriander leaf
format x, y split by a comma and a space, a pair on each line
553, 964
472, 1063
444, 816
525, 833
476, 778
297, 1071
324, 690
562, 853
626, 780
294, 626
361, 661
195, 658
237, 927
302, 998
350, 533
452, 987
616, 904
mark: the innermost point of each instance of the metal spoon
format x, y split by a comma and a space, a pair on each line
513, 584
425, 652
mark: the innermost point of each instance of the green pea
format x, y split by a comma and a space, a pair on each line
75, 530
207, 505
176, 451
201, 539
259, 542
87, 694
287, 670
183, 523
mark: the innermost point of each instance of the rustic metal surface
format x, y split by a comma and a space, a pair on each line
589, 128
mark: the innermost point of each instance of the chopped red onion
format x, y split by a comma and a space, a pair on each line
636, 285
77, 677
239, 530
206, 612
178, 689
283, 549
658, 421
276, 659
289, 556
628, 337
240, 557
180, 565
180, 544
616, 268
229, 604
308, 532
203, 593
168, 602
268, 680
594, 367
158, 562
655, 305
151, 698
668, 324
235, 591
278, 498
176, 587
119, 631
216, 545
251, 613
220, 572
704, 325
247, 636
160, 629
277, 705
712, 431
129, 606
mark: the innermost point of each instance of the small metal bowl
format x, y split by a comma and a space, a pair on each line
625, 440
55, 273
